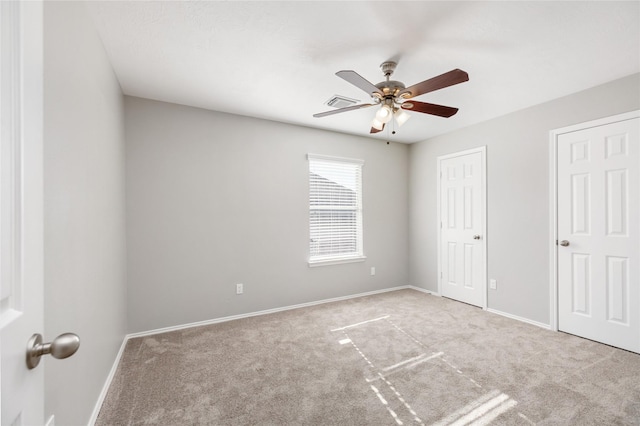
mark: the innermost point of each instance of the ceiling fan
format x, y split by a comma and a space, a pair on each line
392, 96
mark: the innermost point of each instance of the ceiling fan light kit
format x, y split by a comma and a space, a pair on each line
391, 96
401, 117
384, 114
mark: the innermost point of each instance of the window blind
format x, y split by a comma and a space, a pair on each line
335, 208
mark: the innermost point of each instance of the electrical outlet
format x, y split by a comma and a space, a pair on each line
373, 270
493, 285
239, 288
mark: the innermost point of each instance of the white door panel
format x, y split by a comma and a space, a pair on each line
462, 247
598, 210
21, 294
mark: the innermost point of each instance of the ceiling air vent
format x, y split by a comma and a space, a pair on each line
338, 101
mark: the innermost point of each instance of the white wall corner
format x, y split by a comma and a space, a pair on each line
107, 384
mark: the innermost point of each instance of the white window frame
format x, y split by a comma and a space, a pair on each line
338, 258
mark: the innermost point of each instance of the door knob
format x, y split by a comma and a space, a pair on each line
564, 243
62, 347
476, 237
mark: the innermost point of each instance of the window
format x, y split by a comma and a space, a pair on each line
335, 210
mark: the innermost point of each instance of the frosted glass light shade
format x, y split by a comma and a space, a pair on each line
401, 117
384, 114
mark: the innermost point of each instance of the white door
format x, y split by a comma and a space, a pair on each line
462, 227
21, 290
598, 233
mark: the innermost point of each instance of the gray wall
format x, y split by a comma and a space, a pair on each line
84, 271
518, 193
215, 199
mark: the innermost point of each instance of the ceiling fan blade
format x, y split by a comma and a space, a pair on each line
359, 81
433, 109
374, 130
440, 82
339, 110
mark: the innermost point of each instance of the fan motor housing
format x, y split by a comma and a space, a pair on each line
390, 87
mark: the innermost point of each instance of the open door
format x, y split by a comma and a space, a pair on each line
21, 214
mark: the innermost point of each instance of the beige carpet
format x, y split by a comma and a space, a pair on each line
399, 358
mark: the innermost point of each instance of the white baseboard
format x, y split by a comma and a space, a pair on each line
264, 312
107, 383
515, 317
424, 290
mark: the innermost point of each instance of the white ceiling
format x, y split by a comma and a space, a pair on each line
277, 60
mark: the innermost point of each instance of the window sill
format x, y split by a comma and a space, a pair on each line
336, 261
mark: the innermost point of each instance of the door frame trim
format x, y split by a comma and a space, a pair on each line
553, 202
483, 208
